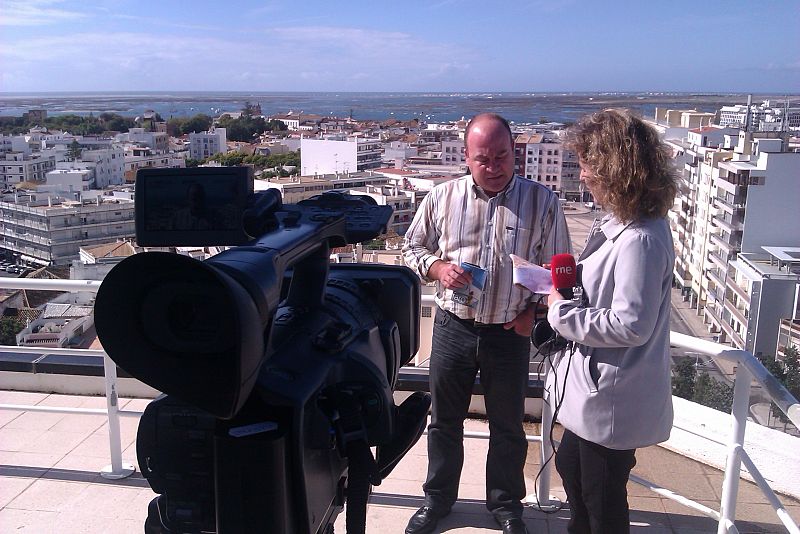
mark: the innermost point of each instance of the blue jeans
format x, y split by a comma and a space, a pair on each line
459, 349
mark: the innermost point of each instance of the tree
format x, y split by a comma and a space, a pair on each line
713, 393
9, 328
787, 372
198, 123
683, 378
74, 151
791, 365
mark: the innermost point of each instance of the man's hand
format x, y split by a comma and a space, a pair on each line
449, 274
523, 323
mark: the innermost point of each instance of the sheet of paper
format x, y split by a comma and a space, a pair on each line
532, 276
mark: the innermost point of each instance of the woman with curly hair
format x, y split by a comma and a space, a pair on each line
612, 391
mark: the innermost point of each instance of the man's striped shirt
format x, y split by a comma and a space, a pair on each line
457, 222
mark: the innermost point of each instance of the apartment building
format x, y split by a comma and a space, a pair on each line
206, 144
144, 158
736, 200
293, 189
339, 154
760, 298
767, 116
453, 152
538, 157
45, 231
108, 164
158, 142
18, 167
404, 202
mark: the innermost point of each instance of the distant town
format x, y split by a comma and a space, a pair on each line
68, 191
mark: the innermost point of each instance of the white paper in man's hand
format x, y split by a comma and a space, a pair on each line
532, 276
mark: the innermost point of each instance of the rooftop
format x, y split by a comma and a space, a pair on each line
50, 465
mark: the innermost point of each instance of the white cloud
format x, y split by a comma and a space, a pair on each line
299, 58
36, 13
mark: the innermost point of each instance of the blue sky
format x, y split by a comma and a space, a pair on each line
437, 45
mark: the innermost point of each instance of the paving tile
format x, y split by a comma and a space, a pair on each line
648, 511
48, 495
7, 416
28, 521
21, 397
94, 444
55, 442
134, 405
17, 439
12, 487
63, 401
33, 460
76, 522
109, 500
35, 421
80, 423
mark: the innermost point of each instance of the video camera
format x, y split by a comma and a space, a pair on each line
279, 368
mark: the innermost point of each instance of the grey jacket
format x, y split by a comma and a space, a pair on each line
616, 386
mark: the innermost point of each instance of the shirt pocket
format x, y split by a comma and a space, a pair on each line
516, 240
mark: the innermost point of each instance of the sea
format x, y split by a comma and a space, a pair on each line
431, 107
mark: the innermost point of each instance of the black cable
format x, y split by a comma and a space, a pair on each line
549, 355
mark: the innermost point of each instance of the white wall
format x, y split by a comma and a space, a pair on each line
325, 156
771, 214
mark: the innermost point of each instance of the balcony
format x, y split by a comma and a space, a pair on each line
727, 206
721, 243
741, 293
737, 314
56, 450
718, 260
715, 277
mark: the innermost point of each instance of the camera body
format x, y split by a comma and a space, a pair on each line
279, 368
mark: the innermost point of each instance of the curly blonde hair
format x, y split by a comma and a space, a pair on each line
633, 172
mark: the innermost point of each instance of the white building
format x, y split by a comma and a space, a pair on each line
762, 117
71, 179
404, 202
735, 200
453, 152
16, 167
63, 319
538, 157
206, 144
293, 189
46, 232
158, 142
761, 292
339, 154
144, 158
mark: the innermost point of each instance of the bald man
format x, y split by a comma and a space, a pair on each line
481, 219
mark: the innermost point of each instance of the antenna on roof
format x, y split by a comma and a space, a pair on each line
747, 113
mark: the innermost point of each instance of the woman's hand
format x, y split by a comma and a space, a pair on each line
554, 297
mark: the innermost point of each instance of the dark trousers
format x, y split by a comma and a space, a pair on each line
595, 480
459, 349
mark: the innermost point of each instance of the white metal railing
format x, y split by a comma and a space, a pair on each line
117, 469
747, 369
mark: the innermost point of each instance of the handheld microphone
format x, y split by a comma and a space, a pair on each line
565, 274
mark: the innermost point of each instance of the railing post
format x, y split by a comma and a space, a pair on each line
543, 498
117, 469
730, 484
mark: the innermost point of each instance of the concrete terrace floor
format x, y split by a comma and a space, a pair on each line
50, 482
